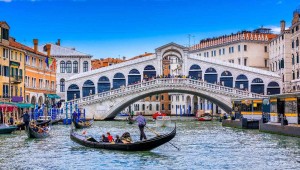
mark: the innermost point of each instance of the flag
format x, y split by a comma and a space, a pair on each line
47, 62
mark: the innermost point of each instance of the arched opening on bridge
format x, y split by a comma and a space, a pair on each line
40, 101
211, 75
195, 102
88, 88
103, 84
119, 80
273, 88
188, 105
33, 100
149, 72
257, 86
226, 79
73, 92
195, 72
134, 76
242, 82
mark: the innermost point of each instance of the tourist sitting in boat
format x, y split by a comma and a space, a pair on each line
104, 138
109, 137
126, 138
45, 129
40, 130
118, 140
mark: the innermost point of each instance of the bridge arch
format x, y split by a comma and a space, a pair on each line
149, 72
134, 76
88, 88
103, 84
73, 92
195, 72
257, 86
242, 82
273, 88
226, 79
211, 75
119, 80
136, 97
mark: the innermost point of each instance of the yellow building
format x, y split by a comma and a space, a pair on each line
12, 64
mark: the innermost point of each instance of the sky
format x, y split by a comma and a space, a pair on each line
117, 28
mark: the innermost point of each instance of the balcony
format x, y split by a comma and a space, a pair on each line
16, 79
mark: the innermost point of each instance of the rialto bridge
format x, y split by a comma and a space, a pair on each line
106, 91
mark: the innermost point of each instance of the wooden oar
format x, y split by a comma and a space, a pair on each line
153, 131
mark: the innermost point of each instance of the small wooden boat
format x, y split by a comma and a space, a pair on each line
136, 146
83, 124
34, 134
6, 129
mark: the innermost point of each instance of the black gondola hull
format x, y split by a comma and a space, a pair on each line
136, 146
33, 134
80, 126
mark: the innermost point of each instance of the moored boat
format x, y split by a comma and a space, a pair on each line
135, 146
83, 124
32, 133
6, 129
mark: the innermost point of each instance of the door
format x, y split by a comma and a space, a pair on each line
280, 109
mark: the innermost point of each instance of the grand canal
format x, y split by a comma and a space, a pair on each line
204, 145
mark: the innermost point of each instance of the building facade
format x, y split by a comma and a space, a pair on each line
40, 75
295, 36
12, 68
248, 48
69, 62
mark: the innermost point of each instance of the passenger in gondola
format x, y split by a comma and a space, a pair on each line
118, 140
109, 137
104, 138
40, 130
126, 138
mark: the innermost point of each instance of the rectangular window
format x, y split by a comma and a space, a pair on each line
169, 107
229, 50
162, 107
232, 49
16, 56
204, 54
162, 97
223, 51
239, 61
245, 47
245, 61
266, 49
266, 62
220, 52
212, 53
239, 48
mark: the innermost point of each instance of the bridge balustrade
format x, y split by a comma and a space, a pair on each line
179, 82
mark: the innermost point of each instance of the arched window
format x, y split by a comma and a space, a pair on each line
85, 66
88, 88
62, 85
103, 84
62, 67
297, 42
69, 67
119, 80
273, 88
75, 67
226, 79
257, 86
195, 72
293, 59
73, 92
134, 76
211, 75
297, 57
241, 82
149, 72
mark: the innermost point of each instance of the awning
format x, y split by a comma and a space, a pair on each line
53, 96
25, 105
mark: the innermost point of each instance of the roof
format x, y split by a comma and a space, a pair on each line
171, 44
140, 56
57, 50
20, 46
98, 63
4, 23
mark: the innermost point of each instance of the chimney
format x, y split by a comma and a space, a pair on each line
48, 48
35, 45
58, 42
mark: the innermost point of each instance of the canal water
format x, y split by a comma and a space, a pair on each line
204, 145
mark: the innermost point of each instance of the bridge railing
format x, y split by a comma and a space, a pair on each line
168, 82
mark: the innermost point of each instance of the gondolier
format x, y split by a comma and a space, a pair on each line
141, 123
26, 118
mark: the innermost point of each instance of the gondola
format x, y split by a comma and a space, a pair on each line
136, 146
83, 124
5, 129
55, 121
33, 134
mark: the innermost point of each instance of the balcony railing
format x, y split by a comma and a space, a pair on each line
16, 79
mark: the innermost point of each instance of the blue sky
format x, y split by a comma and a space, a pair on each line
116, 28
